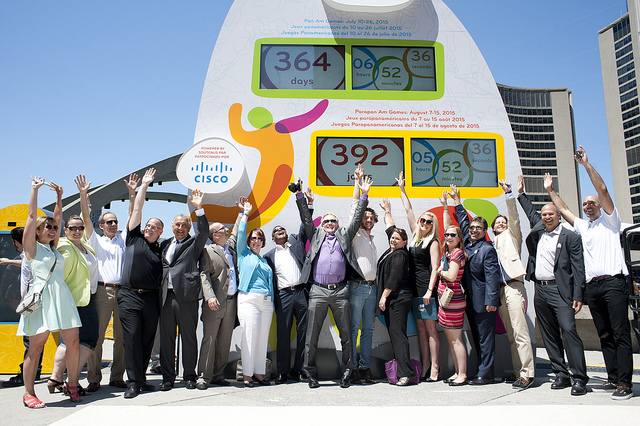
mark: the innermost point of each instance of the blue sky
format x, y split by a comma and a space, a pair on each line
102, 88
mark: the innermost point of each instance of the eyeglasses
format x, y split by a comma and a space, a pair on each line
329, 221
111, 222
153, 227
54, 227
278, 229
447, 234
476, 228
257, 239
75, 228
427, 221
224, 228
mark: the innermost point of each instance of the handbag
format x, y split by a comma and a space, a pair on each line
447, 294
31, 302
391, 370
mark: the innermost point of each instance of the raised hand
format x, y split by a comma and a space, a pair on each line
506, 187
147, 179
310, 195
359, 172
132, 183
196, 199
385, 204
520, 184
240, 203
37, 182
57, 188
583, 159
365, 186
247, 208
548, 182
400, 180
443, 199
81, 183
455, 193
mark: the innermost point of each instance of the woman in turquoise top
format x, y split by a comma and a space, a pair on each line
255, 300
58, 311
81, 276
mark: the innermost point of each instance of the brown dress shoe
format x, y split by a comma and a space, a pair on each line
93, 387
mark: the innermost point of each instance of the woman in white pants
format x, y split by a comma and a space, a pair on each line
255, 302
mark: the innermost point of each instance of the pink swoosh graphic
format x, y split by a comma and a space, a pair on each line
293, 124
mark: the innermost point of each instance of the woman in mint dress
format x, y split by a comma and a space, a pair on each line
58, 311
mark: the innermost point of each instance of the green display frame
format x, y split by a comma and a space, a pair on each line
348, 92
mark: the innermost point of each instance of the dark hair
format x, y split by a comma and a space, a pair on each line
73, 217
17, 233
375, 215
101, 220
260, 234
401, 232
493, 224
481, 220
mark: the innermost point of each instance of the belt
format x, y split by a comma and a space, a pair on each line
139, 290
543, 282
294, 287
330, 286
232, 296
364, 282
603, 277
108, 284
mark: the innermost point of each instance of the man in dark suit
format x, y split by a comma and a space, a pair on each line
481, 280
556, 265
181, 290
291, 295
326, 267
219, 277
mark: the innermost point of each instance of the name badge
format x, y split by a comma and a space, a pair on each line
267, 298
559, 245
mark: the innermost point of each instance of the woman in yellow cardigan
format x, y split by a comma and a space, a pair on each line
81, 276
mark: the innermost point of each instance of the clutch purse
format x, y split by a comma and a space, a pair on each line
446, 297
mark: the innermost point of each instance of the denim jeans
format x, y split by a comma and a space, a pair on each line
362, 298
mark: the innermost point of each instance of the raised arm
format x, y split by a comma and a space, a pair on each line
529, 209
357, 175
461, 213
446, 216
57, 210
356, 220
564, 210
302, 232
233, 237
512, 213
83, 189
132, 184
596, 180
136, 214
242, 229
386, 206
202, 232
408, 208
29, 234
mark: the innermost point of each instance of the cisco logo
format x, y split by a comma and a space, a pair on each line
212, 174
212, 166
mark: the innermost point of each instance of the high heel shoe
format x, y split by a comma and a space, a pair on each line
73, 393
52, 385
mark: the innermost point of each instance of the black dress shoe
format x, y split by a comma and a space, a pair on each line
561, 383
281, 379
297, 376
366, 375
220, 382
16, 381
118, 384
261, 382
479, 381
191, 384
166, 386
579, 388
132, 391
454, 383
313, 382
147, 387
345, 381
355, 377
93, 387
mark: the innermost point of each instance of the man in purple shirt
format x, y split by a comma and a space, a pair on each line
329, 258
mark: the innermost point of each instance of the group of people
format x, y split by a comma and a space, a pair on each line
86, 278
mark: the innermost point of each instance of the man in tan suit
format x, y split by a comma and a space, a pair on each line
218, 274
513, 296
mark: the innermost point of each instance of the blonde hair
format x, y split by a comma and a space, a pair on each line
40, 221
426, 239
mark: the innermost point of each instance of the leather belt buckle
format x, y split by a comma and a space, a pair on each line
332, 286
546, 282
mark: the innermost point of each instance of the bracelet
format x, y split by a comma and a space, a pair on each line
385, 212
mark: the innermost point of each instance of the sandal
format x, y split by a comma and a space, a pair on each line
32, 401
73, 393
53, 384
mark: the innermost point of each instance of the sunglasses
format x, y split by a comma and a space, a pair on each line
329, 221
476, 228
257, 239
75, 228
278, 229
427, 221
447, 234
111, 222
54, 227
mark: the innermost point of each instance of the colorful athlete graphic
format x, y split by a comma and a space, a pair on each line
274, 142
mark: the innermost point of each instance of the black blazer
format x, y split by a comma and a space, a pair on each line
482, 276
185, 275
298, 250
394, 272
569, 263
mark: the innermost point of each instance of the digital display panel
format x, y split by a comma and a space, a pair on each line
393, 68
463, 162
302, 67
337, 157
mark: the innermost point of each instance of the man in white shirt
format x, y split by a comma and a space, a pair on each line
363, 290
607, 290
291, 298
109, 249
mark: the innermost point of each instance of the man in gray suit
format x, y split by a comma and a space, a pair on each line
556, 266
326, 266
218, 274
181, 290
